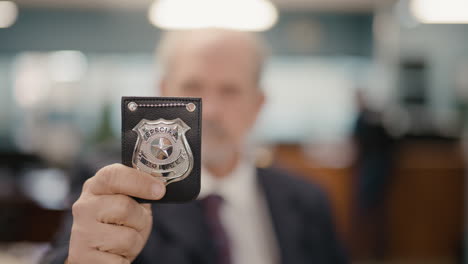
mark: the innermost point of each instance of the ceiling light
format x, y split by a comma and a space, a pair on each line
248, 15
8, 13
440, 11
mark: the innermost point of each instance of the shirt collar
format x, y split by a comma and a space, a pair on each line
238, 187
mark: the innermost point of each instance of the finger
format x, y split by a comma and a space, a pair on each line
120, 179
147, 206
96, 256
125, 241
119, 209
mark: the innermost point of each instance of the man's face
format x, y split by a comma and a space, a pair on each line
224, 78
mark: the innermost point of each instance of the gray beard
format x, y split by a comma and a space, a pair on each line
216, 156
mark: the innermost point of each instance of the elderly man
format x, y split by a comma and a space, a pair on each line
257, 215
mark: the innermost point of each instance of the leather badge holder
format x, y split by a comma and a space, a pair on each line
162, 137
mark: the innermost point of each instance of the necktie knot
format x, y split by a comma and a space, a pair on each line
212, 202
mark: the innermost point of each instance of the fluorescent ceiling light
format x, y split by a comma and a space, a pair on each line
8, 13
440, 11
248, 15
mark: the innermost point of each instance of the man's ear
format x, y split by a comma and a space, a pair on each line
261, 98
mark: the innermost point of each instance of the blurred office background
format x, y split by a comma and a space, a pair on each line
367, 98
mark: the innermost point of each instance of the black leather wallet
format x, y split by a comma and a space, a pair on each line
162, 136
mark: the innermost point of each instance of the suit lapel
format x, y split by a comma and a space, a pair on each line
184, 223
286, 222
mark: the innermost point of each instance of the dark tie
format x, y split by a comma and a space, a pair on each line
211, 207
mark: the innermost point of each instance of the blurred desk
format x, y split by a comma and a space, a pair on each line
26, 230
424, 204
23, 220
426, 201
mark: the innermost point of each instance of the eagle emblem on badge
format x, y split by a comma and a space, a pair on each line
163, 149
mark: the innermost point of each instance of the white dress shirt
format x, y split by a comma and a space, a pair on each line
244, 214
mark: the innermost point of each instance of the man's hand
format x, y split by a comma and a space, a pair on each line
108, 225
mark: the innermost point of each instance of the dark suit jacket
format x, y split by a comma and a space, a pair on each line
300, 215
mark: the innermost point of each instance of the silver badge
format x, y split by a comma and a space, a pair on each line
162, 149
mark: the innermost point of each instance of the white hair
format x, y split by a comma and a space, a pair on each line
171, 42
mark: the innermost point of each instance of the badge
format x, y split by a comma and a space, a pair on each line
161, 136
162, 149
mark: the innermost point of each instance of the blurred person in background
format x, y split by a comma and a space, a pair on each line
374, 166
243, 214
